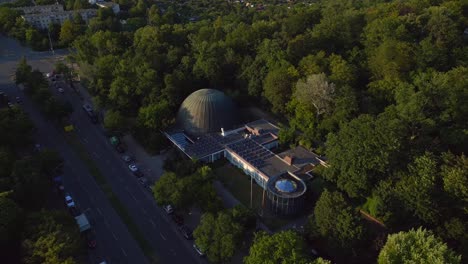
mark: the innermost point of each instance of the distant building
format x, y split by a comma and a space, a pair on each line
208, 130
40, 9
115, 7
42, 20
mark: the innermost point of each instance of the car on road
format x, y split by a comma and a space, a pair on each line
139, 174
186, 232
178, 219
88, 108
60, 89
133, 168
127, 158
18, 100
198, 250
168, 208
145, 183
91, 238
10, 104
74, 211
120, 148
69, 201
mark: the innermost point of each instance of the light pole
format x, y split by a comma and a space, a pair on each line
50, 42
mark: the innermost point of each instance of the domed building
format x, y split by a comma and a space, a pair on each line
206, 111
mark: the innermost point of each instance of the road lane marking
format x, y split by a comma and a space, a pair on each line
162, 236
115, 237
96, 155
85, 140
152, 223
134, 198
123, 251
99, 211
107, 223
144, 211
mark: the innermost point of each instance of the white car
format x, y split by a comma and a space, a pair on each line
168, 208
60, 89
133, 168
198, 250
69, 201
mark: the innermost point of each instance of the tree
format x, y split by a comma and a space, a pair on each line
22, 71
170, 190
218, 236
16, 128
455, 177
416, 246
363, 152
317, 91
10, 222
337, 222
417, 189
114, 121
50, 237
283, 247
277, 88
68, 32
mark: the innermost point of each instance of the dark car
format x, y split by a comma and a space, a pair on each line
186, 232
90, 239
120, 148
74, 211
178, 219
138, 174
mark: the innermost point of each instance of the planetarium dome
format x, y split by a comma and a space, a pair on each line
205, 111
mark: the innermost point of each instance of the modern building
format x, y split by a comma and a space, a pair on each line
41, 16
41, 9
207, 130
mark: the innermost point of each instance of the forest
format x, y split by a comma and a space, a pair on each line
378, 87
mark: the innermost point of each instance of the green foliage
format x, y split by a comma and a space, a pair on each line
114, 121
277, 88
10, 222
16, 128
218, 236
283, 247
50, 237
183, 191
355, 166
337, 221
416, 246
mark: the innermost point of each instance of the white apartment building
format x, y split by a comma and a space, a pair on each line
42, 20
40, 9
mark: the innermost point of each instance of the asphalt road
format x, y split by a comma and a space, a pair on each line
153, 222
168, 243
114, 243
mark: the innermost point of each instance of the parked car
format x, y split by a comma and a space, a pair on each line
133, 167
198, 250
145, 183
88, 108
127, 158
10, 104
120, 148
178, 219
90, 238
18, 100
60, 89
74, 211
168, 208
69, 201
186, 232
139, 174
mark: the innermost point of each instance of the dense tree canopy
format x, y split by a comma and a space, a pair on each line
283, 247
416, 246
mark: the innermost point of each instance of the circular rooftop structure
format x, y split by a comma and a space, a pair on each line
206, 111
286, 186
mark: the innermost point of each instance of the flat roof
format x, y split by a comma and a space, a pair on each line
301, 156
264, 126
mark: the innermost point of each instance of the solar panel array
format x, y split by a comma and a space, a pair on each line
203, 146
252, 152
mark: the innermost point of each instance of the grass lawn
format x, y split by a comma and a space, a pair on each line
115, 202
238, 185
